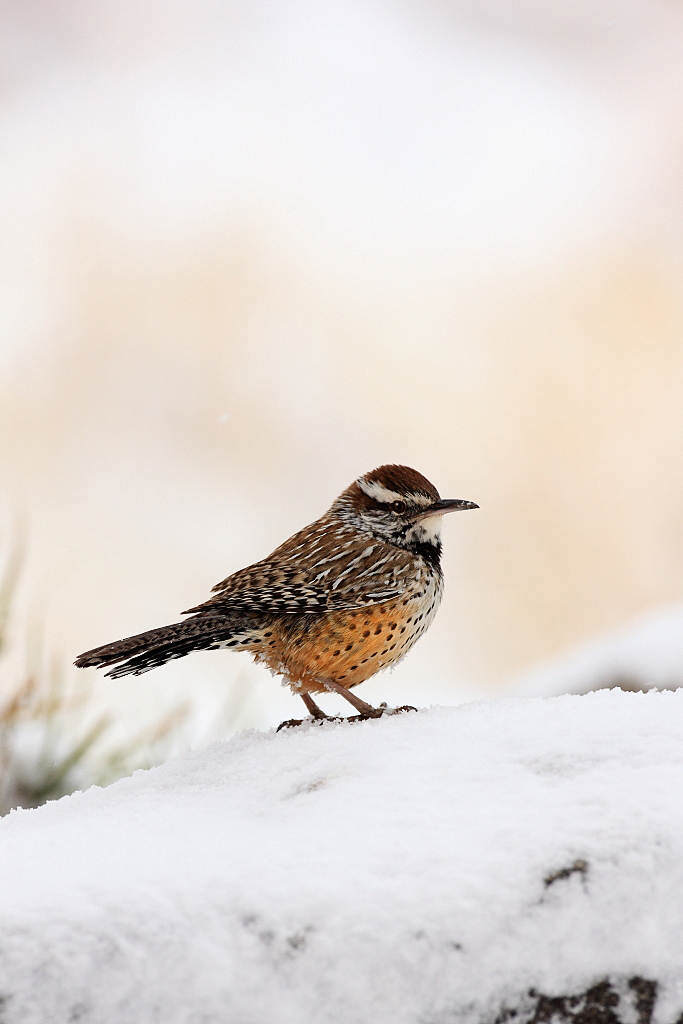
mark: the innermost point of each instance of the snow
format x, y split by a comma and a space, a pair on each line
643, 654
428, 867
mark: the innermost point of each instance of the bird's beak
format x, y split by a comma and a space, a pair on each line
443, 505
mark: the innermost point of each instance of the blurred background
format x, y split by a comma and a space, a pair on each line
251, 250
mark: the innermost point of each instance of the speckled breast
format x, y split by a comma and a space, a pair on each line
350, 646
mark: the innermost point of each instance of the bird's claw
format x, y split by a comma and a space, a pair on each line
292, 723
364, 716
383, 709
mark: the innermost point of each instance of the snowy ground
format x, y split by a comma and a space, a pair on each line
450, 865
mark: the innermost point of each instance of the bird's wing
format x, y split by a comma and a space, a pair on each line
322, 567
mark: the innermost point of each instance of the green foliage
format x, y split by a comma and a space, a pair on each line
52, 740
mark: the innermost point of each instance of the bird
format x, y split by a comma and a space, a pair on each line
342, 599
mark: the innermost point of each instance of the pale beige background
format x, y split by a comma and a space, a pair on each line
251, 250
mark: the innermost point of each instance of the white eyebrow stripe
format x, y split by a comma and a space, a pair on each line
379, 492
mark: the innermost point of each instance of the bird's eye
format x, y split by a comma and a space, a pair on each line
398, 506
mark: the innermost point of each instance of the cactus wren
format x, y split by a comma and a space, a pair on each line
343, 598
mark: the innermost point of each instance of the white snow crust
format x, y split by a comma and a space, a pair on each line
396, 870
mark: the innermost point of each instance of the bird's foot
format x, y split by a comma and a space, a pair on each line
383, 709
292, 723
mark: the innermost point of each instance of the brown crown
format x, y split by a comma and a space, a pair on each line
402, 479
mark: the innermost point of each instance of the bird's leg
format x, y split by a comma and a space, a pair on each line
316, 713
366, 710
313, 708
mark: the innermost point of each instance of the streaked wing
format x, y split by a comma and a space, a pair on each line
318, 568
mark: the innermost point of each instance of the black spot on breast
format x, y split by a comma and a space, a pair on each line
390, 637
366, 633
348, 647
353, 668
336, 654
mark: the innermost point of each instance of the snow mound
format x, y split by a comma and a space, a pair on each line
645, 654
520, 857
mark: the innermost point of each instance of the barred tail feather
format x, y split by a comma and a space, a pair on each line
146, 651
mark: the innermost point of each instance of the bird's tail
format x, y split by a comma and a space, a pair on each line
148, 650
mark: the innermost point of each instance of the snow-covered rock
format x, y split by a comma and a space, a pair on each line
520, 857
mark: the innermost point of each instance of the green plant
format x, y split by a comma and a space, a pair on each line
52, 739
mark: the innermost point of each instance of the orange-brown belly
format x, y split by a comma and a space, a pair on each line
350, 646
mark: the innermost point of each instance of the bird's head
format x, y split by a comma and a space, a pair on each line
398, 505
